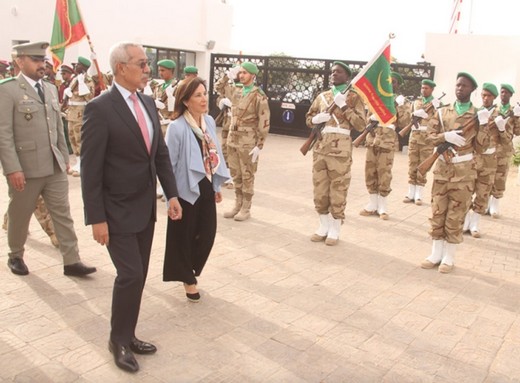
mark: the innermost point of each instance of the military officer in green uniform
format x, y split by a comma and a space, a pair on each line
35, 158
332, 155
247, 134
164, 94
454, 175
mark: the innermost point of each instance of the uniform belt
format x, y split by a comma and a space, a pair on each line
457, 159
77, 103
244, 128
421, 128
490, 151
335, 129
391, 126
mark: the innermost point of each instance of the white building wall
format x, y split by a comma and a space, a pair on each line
176, 24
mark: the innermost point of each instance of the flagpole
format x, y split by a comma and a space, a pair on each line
102, 84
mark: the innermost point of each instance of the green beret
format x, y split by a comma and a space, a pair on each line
191, 69
30, 49
250, 67
507, 87
345, 66
491, 88
469, 77
398, 77
430, 83
169, 64
84, 61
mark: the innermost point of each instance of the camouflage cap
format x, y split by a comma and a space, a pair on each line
491, 88
191, 69
250, 67
469, 77
430, 83
30, 49
344, 66
84, 61
166, 63
507, 87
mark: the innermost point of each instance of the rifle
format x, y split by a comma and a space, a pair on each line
220, 117
466, 129
415, 120
369, 129
316, 131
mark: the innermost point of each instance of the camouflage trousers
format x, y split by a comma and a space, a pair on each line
242, 170
331, 179
486, 169
417, 153
42, 215
450, 203
499, 186
378, 170
75, 136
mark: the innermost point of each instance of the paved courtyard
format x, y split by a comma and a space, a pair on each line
276, 307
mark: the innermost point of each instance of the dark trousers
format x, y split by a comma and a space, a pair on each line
130, 254
190, 240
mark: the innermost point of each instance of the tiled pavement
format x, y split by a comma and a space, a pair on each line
276, 307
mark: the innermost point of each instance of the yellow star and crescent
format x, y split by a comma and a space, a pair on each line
380, 89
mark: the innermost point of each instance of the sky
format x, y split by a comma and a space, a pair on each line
355, 30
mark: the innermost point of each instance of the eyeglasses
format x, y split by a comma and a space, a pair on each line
37, 58
140, 64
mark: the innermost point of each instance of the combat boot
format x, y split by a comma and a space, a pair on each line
411, 194
244, 212
322, 231
237, 207
473, 225
448, 257
333, 235
371, 208
436, 256
381, 208
418, 195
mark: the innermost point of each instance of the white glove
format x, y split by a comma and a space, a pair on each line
421, 113
233, 72
340, 100
82, 87
373, 118
516, 110
68, 92
436, 103
483, 116
320, 118
501, 123
255, 152
159, 104
171, 99
399, 100
224, 102
93, 56
165, 121
454, 138
148, 90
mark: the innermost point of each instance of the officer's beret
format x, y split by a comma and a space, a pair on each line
469, 77
430, 83
398, 77
250, 67
169, 64
507, 87
344, 66
491, 88
84, 61
30, 49
66, 68
191, 69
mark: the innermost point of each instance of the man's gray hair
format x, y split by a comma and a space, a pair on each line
119, 54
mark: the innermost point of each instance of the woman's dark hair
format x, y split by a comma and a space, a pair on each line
184, 93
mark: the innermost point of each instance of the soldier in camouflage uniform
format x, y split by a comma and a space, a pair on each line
381, 146
164, 93
247, 134
486, 163
454, 176
418, 148
332, 156
504, 151
80, 91
4, 69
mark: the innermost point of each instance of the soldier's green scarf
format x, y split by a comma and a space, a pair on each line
462, 107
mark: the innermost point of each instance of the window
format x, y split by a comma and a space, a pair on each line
181, 58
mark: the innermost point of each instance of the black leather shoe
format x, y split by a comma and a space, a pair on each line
18, 266
78, 269
140, 347
123, 357
195, 297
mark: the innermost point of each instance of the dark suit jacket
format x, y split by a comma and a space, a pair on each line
118, 176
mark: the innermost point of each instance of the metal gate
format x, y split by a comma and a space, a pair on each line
291, 84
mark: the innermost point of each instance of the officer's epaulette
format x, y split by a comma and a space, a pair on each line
261, 91
3, 81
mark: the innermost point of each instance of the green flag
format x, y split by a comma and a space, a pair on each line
374, 85
68, 29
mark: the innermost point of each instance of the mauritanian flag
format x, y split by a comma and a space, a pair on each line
374, 85
68, 29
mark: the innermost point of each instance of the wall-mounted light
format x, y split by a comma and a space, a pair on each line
210, 44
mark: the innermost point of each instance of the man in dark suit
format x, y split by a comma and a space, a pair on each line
123, 152
35, 158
